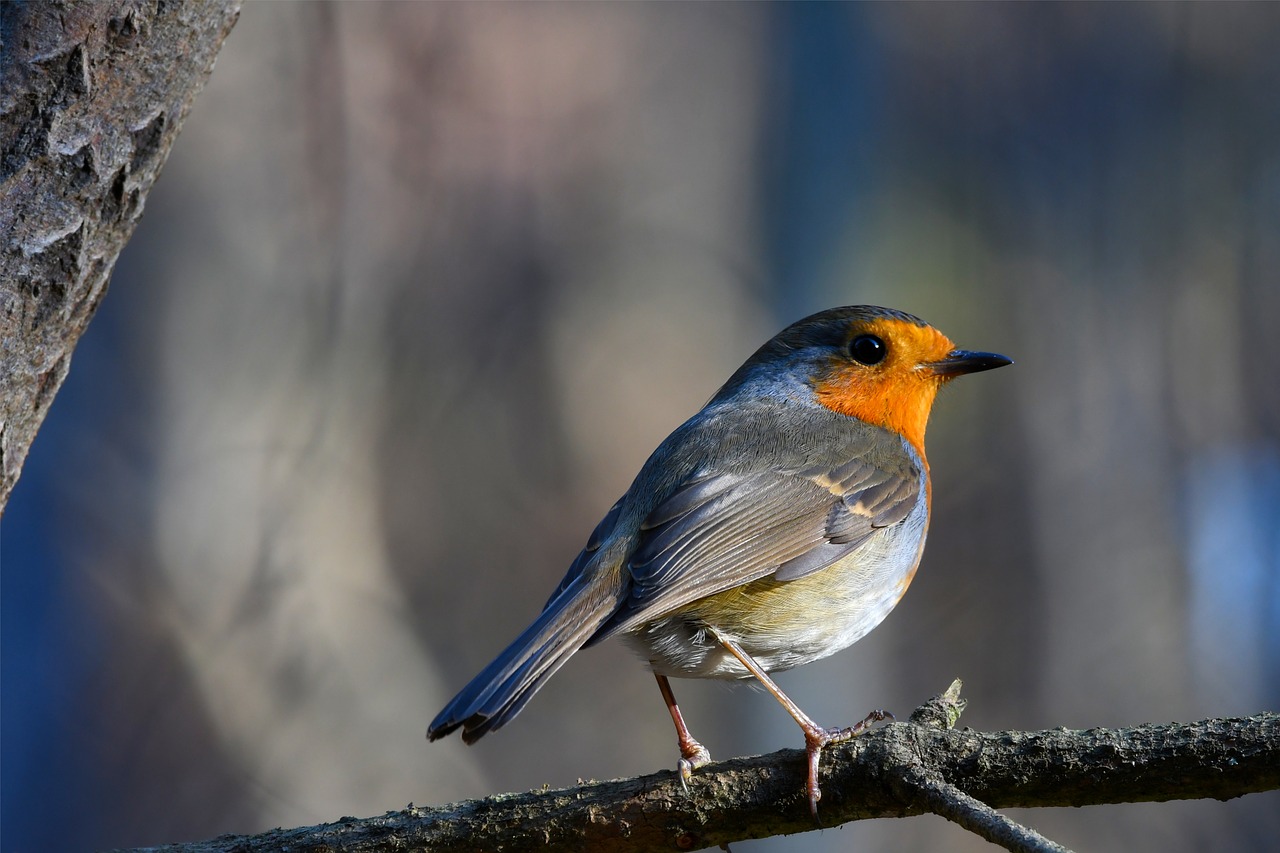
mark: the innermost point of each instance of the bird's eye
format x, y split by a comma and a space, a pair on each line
867, 349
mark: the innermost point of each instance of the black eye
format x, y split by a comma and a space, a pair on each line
867, 349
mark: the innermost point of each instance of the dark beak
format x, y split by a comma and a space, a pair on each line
959, 362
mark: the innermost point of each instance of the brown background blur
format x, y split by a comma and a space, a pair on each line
422, 285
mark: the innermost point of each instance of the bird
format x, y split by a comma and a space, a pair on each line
775, 527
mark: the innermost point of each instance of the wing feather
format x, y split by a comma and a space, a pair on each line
724, 530
602, 532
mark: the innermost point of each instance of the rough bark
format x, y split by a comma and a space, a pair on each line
92, 96
897, 771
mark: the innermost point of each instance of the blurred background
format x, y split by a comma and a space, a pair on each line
422, 285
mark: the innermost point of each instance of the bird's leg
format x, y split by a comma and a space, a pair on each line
815, 736
692, 754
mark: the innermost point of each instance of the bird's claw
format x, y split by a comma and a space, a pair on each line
692, 756
837, 735
815, 740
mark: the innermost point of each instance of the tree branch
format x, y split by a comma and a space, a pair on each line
915, 784
91, 98
895, 771
933, 794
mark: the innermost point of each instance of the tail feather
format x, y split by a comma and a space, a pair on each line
481, 723
503, 687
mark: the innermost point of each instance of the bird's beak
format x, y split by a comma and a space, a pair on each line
959, 362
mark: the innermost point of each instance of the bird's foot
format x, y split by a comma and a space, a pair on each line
817, 737
692, 756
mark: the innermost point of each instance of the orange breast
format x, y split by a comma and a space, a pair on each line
896, 394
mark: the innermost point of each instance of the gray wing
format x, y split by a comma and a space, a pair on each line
720, 531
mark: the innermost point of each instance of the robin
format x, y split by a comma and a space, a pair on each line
775, 527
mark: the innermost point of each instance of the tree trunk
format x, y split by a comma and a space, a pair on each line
91, 98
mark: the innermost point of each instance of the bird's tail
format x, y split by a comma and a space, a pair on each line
501, 690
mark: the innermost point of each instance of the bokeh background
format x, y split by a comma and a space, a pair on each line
422, 285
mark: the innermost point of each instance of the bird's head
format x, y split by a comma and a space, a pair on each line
879, 365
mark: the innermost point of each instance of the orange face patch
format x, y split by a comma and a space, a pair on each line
898, 392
